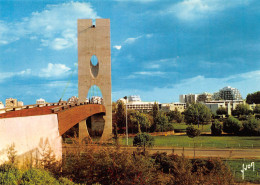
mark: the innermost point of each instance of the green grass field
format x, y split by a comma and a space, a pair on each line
249, 175
205, 141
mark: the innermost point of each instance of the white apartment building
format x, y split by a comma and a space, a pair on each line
40, 101
230, 105
188, 98
134, 102
172, 106
230, 93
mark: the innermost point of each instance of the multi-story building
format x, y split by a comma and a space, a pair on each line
229, 93
40, 101
11, 102
96, 99
73, 100
134, 102
230, 105
172, 106
19, 103
188, 98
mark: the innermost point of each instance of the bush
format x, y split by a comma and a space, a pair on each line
232, 125
65, 181
105, 165
216, 128
192, 132
9, 174
38, 176
143, 140
251, 127
221, 111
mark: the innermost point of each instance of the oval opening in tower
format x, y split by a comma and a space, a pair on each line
94, 66
95, 123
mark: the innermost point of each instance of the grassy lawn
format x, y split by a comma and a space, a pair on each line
182, 126
205, 141
249, 175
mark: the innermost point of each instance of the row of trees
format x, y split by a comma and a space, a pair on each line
195, 114
253, 98
250, 127
154, 121
241, 110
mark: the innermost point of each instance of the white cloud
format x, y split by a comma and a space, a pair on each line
56, 26
149, 35
145, 73
132, 39
54, 70
153, 66
139, 1
150, 73
118, 47
162, 62
189, 10
6, 75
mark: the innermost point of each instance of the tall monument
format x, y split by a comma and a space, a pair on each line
94, 40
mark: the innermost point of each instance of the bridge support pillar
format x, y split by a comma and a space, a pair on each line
95, 40
83, 131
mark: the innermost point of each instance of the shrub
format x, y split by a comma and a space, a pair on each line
251, 127
9, 174
221, 111
232, 125
216, 128
192, 132
65, 181
143, 140
38, 176
108, 166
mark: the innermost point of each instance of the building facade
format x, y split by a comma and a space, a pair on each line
230, 105
173, 106
230, 93
40, 101
11, 102
188, 98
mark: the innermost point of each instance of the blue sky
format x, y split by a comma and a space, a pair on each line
159, 49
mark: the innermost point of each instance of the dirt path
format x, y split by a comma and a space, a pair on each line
205, 152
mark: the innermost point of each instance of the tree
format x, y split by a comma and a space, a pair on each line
192, 133
175, 115
114, 107
162, 123
253, 98
155, 112
143, 140
232, 125
221, 111
257, 109
120, 116
138, 122
216, 128
241, 109
197, 113
251, 127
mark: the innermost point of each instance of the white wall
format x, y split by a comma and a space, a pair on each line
28, 133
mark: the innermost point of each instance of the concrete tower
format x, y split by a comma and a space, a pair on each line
95, 40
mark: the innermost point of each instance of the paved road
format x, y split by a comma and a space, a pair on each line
206, 152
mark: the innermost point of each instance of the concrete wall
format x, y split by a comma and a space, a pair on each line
30, 134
